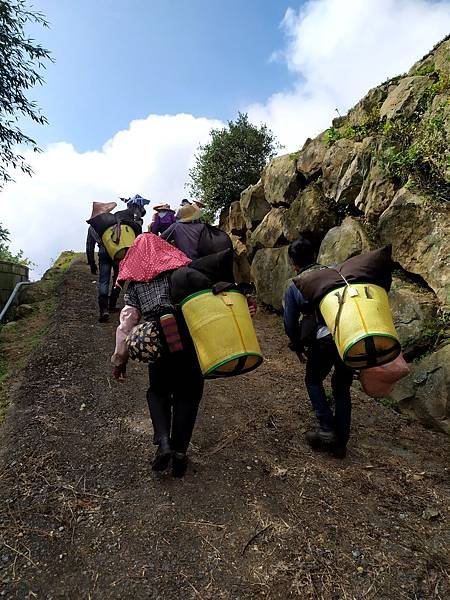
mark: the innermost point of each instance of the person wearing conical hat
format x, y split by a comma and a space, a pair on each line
106, 266
199, 204
163, 218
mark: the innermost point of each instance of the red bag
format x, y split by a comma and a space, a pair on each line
379, 382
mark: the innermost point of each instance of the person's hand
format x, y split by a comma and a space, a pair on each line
252, 306
94, 269
119, 373
301, 356
298, 351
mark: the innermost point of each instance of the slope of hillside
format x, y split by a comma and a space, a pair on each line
258, 514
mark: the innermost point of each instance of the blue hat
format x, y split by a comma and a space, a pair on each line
137, 200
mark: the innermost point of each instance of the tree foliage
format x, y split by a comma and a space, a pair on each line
21, 58
5, 252
230, 162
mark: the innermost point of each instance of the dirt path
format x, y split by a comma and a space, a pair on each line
258, 515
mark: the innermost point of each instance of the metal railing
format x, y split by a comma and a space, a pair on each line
12, 298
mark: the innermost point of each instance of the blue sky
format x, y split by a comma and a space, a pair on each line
118, 60
137, 85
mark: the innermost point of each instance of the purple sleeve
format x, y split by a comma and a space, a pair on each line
155, 225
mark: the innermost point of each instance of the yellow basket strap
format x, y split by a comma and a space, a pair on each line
227, 299
341, 300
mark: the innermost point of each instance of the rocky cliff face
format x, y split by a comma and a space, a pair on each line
379, 175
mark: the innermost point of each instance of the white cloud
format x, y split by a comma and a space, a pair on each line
47, 213
338, 50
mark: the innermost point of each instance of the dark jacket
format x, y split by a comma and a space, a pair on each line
186, 237
371, 267
92, 239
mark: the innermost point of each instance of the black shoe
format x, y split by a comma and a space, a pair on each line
103, 306
162, 456
338, 451
104, 316
179, 464
320, 439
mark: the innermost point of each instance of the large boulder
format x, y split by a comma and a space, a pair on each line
425, 393
440, 57
341, 168
405, 97
414, 310
342, 242
349, 185
376, 194
367, 109
270, 232
281, 180
311, 157
271, 268
254, 206
419, 230
224, 219
436, 60
241, 264
33, 292
236, 222
23, 311
310, 212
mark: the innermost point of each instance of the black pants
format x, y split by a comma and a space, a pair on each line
176, 388
322, 356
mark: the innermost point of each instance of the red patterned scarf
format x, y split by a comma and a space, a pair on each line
148, 257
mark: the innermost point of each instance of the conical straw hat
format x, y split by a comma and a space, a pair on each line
100, 208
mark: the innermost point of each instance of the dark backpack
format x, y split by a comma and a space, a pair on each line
212, 240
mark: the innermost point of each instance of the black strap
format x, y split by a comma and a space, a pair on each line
367, 356
371, 351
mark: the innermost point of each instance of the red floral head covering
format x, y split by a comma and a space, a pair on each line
149, 256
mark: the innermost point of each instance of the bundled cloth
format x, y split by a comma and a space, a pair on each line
102, 222
201, 274
372, 267
137, 200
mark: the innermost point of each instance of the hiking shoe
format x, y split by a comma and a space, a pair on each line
104, 316
320, 438
338, 451
162, 457
179, 464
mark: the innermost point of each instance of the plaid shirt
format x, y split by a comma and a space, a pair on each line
151, 298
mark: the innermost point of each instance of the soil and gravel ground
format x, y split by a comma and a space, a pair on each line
259, 515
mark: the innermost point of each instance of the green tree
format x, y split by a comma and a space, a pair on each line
21, 58
230, 162
5, 252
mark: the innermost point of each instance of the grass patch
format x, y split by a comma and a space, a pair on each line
19, 338
412, 150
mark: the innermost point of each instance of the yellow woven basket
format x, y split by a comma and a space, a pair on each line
223, 334
117, 248
359, 317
